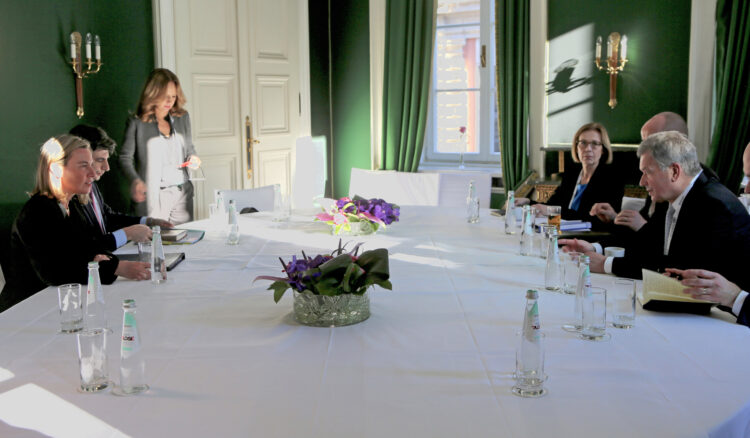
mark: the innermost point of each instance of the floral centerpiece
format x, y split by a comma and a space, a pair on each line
359, 216
332, 290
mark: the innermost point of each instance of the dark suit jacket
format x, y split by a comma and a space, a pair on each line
605, 186
49, 248
712, 232
113, 220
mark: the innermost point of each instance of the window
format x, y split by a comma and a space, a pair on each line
462, 120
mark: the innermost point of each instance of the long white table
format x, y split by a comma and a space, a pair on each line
434, 360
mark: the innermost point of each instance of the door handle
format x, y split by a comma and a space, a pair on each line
483, 56
249, 142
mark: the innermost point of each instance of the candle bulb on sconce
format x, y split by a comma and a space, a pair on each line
613, 66
88, 45
77, 63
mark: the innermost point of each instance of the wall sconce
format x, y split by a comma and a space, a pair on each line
77, 62
614, 45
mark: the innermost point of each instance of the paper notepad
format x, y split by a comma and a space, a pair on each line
667, 294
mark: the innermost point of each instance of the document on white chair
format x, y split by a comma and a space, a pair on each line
310, 172
400, 188
260, 198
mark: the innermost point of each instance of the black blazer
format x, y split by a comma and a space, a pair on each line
712, 232
49, 248
113, 220
605, 185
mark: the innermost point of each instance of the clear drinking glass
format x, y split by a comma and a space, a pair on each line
144, 252
529, 375
92, 359
554, 213
570, 266
622, 296
594, 323
71, 310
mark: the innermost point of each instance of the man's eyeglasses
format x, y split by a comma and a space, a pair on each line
593, 144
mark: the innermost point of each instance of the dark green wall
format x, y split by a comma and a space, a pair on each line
37, 86
656, 76
341, 111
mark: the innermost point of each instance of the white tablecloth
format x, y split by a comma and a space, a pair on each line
434, 359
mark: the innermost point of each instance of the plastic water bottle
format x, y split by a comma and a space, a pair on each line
510, 217
158, 266
233, 232
527, 232
553, 274
221, 209
472, 205
96, 311
132, 363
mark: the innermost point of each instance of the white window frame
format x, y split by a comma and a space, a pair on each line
488, 126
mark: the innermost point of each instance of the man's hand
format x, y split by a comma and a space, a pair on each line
101, 258
133, 270
138, 190
138, 233
631, 219
707, 285
152, 221
576, 245
603, 211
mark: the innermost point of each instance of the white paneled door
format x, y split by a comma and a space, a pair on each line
238, 61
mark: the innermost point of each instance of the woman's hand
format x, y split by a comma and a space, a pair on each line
194, 162
603, 211
133, 270
138, 190
152, 221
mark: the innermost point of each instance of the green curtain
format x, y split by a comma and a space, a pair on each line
732, 93
512, 47
409, 33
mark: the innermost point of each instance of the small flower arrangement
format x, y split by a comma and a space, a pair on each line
331, 275
374, 212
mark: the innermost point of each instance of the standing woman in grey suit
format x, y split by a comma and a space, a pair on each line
158, 149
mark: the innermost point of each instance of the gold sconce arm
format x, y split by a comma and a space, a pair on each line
76, 62
615, 62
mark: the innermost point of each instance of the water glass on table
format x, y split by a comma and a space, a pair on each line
570, 266
92, 359
71, 311
622, 296
594, 309
144, 252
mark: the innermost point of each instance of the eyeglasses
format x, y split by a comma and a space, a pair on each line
593, 144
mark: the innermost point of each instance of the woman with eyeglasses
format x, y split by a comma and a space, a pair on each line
591, 182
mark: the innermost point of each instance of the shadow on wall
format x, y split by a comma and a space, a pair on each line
564, 81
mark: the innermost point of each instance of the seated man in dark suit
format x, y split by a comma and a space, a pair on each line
705, 225
631, 219
112, 229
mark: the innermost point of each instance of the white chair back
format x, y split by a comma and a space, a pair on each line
310, 172
400, 188
454, 187
261, 198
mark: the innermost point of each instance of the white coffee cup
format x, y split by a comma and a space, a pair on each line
614, 251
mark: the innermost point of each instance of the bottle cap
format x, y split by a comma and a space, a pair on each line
531, 294
93, 265
584, 259
156, 229
128, 304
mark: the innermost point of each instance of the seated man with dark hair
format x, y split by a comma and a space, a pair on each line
112, 229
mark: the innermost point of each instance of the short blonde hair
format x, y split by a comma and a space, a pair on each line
56, 150
598, 127
153, 91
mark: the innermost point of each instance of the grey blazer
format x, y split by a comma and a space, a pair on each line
133, 154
